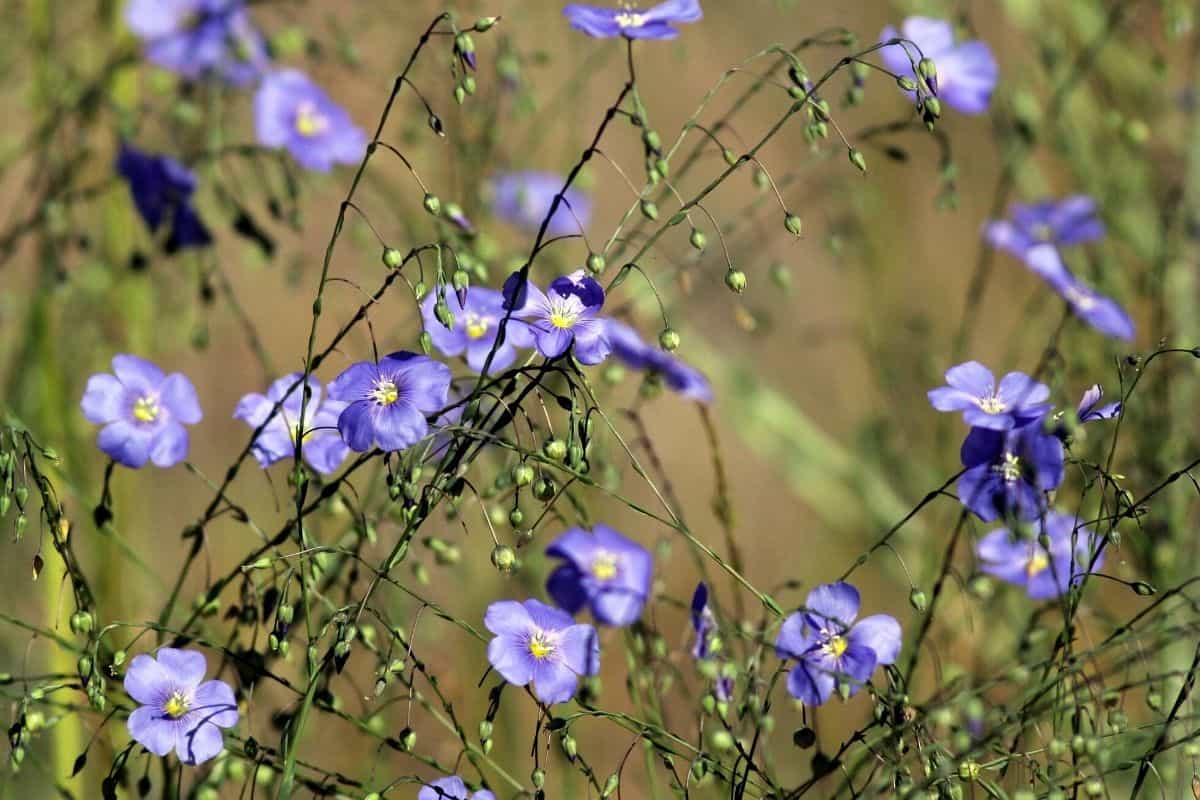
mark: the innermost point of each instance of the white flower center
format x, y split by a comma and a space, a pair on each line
1010, 468
385, 392
1081, 298
992, 404
630, 20
565, 311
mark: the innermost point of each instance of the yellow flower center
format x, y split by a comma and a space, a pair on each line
1011, 468
1039, 562
146, 409
309, 121
836, 646
475, 326
992, 405
630, 20
177, 705
540, 646
385, 393
604, 566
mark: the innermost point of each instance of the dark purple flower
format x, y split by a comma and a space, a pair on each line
1090, 408
523, 199
387, 402
1046, 571
1009, 472
452, 788
829, 645
654, 23
143, 412
543, 645
1016, 401
162, 191
323, 449
966, 72
178, 709
1102, 313
292, 112
604, 571
566, 314
1070, 221
704, 624
679, 377
200, 38
476, 324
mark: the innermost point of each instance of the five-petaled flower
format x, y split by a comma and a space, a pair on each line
1016, 401
541, 644
452, 788
476, 325
566, 314
200, 38
1009, 472
1102, 313
523, 199
178, 709
162, 190
143, 412
679, 377
1090, 409
966, 71
388, 402
1063, 223
829, 646
292, 112
604, 571
1046, 569
631, 22
323, 448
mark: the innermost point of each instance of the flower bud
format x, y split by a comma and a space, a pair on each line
570, 746
610, 786
857, 159
735, 279
522, 474
443, 313
408, 739
544, 489
484, 24
392, 258
649, 210
918, 600
432, 204
928, 71
595, 263
933, 107
516, 517
555, 449
460, 94
652, 140
426, 342
538, 778
669, 340
82, 622
460, 280
906, 83
793, 224
730, 157
698, 239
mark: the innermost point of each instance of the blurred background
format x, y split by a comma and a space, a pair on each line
820, 368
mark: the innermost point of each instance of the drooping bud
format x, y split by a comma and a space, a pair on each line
652, 140
918, 600
595, 263
392, 258
522, 474
698, 239
555, 449
669, 340
928, 71
793, 224
432, 204
735, 279
857, 159
484, 24
906, 83
649, 209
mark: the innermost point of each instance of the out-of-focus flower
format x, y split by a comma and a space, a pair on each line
178, 709
679, 377
829, 645
451, 788
1090, 408
162, 190
324, 449
1102, 313
200, 38
1070, 221
523, 199
292, 112
655, 22
536, 643
1016, 401
387, 402
604, 571
704, 624
566, 314
1009, 472
143, 412
1045, 570
966, 71
476, 325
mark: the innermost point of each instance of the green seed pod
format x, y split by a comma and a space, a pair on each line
652, 140
484, 24
730, 157
555, 449
793, 224
504, 558
544, 489
432, 204
460, 280
735, 279
927, 70
538, 778
906, 83
84, 665
426, 342
408, 739
595, 263
522, 474
669, 340
649, 210
516, 517
918, 600
485, 730
969, 771
933, 107
662, 167
118, 658
857, 159
698, 239
420, 289
82, 622
460, 95
443, 313
569, 746
392, 258
721, 740
610, 786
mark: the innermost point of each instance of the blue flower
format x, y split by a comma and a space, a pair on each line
604, 571
162, 191
523, 199
451, 788
566, 314
536, 643
1102, 313
1070, 221
628, 347
654, 23
704, 625
829, 645
966, 72
1009, 472
143, 412
1045, 570
1090, 408
178, 709
292, 112
200, 38
324, 449
1017, 401
476, 325
387, 402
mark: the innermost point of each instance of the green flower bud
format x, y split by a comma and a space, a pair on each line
927, 70
669, 340
392, 258
464, 43
484, 24
443, 313
610, 786
420, 289
652, 140
729, 156
721, 739
555, 449
649, 210
906, 83
522, 474
538, 778
662, 167
460, 280
595, 263
408, 740
918, 600
569, 746
432, 204
516, 517
735, 279
426, 342
698, 239
793, 224
857, 159
969, 771
84, 665
82, 622
933, 106
460, 96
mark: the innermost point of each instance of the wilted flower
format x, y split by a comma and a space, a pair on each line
1070, 221
653, 23
523, 199
828, 644
1009, 472
604, 571
628, 347
178, 712
162, 191
1102, 313
1016, 401
543, 645
452, 788
199, 38
565, 315
323, 449
292, 112
1046, 571
476, 325
1090, 408
966, 72
387, 402
143, 412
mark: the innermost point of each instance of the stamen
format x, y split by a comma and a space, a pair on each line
604, 566
476, 326
309, 121
1039, 562
177, 705
540, 646
145, 409
1010, 469
992, 404
385, 392
836, 646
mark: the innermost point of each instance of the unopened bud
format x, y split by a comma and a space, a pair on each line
793, 224
504, 558
432, 204
555, 449
392, 258
857, 159
918, 600
484, 24
649, 210
595, 263
669, 340
735, 279
698, 239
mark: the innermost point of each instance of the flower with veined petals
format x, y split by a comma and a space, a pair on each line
539, 644
388, 402
178, 709
829, 645
1009, 472
1045, 571
604, 571
631, 22
162, 190
679, 377
523, 199
966, 71
323, 447
972, 389
199, 38
566, 314
476, 325
292, 112
143, 412
452, 788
